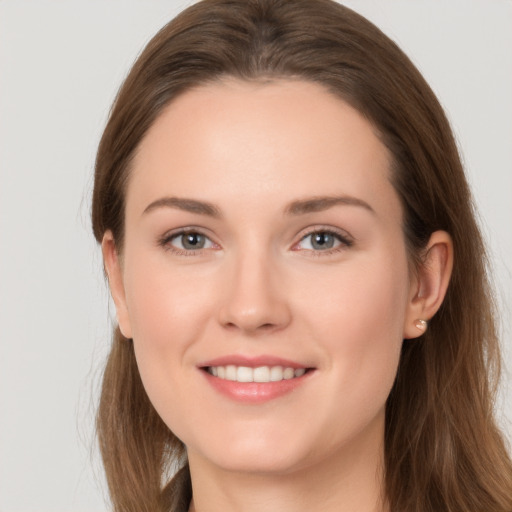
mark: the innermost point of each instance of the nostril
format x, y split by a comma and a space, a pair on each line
263, 327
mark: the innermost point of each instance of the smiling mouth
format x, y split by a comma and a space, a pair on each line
260, 374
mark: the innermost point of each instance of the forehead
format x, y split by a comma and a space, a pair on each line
243, 140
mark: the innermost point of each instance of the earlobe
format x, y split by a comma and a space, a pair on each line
429, 287
113, 269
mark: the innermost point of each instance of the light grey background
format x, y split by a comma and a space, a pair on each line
60, 66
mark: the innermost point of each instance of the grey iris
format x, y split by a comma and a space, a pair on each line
322, 241
193, 241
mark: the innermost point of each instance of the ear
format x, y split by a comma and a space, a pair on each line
113, 268
428, 287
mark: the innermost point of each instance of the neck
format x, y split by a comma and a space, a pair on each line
351, 479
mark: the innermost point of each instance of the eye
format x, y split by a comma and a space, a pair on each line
187, 241
323, 240
190, 241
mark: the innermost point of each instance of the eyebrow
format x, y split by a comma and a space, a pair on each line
319, 204
299, 207
188, 205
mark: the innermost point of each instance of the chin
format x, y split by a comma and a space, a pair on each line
254, 462
253, 453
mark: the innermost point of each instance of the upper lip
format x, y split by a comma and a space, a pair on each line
253, 361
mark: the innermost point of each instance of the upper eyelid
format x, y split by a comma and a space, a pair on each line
325, 229
345, 239
165, 242
184, 230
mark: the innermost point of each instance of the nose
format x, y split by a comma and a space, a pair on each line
255, 298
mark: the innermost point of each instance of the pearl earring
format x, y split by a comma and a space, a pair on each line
421, 324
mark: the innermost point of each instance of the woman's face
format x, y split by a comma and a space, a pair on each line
264, 241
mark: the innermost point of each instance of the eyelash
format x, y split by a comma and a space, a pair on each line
345, 241
166, 240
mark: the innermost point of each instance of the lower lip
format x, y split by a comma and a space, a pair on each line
255, 392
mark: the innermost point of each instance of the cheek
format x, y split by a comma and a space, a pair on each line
169, 311
358, 320
359, 301
164, 303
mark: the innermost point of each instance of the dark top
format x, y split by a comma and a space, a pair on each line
178, 493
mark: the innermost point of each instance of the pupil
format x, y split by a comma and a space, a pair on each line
322, 241
193, 241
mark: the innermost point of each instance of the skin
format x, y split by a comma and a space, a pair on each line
259, 287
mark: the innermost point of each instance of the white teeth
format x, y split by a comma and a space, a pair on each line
299, 372
231, 372
244, 374
276, 373
259, 374
289, 373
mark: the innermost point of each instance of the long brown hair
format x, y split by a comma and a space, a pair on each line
443, 451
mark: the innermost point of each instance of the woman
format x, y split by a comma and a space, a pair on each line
304, 316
